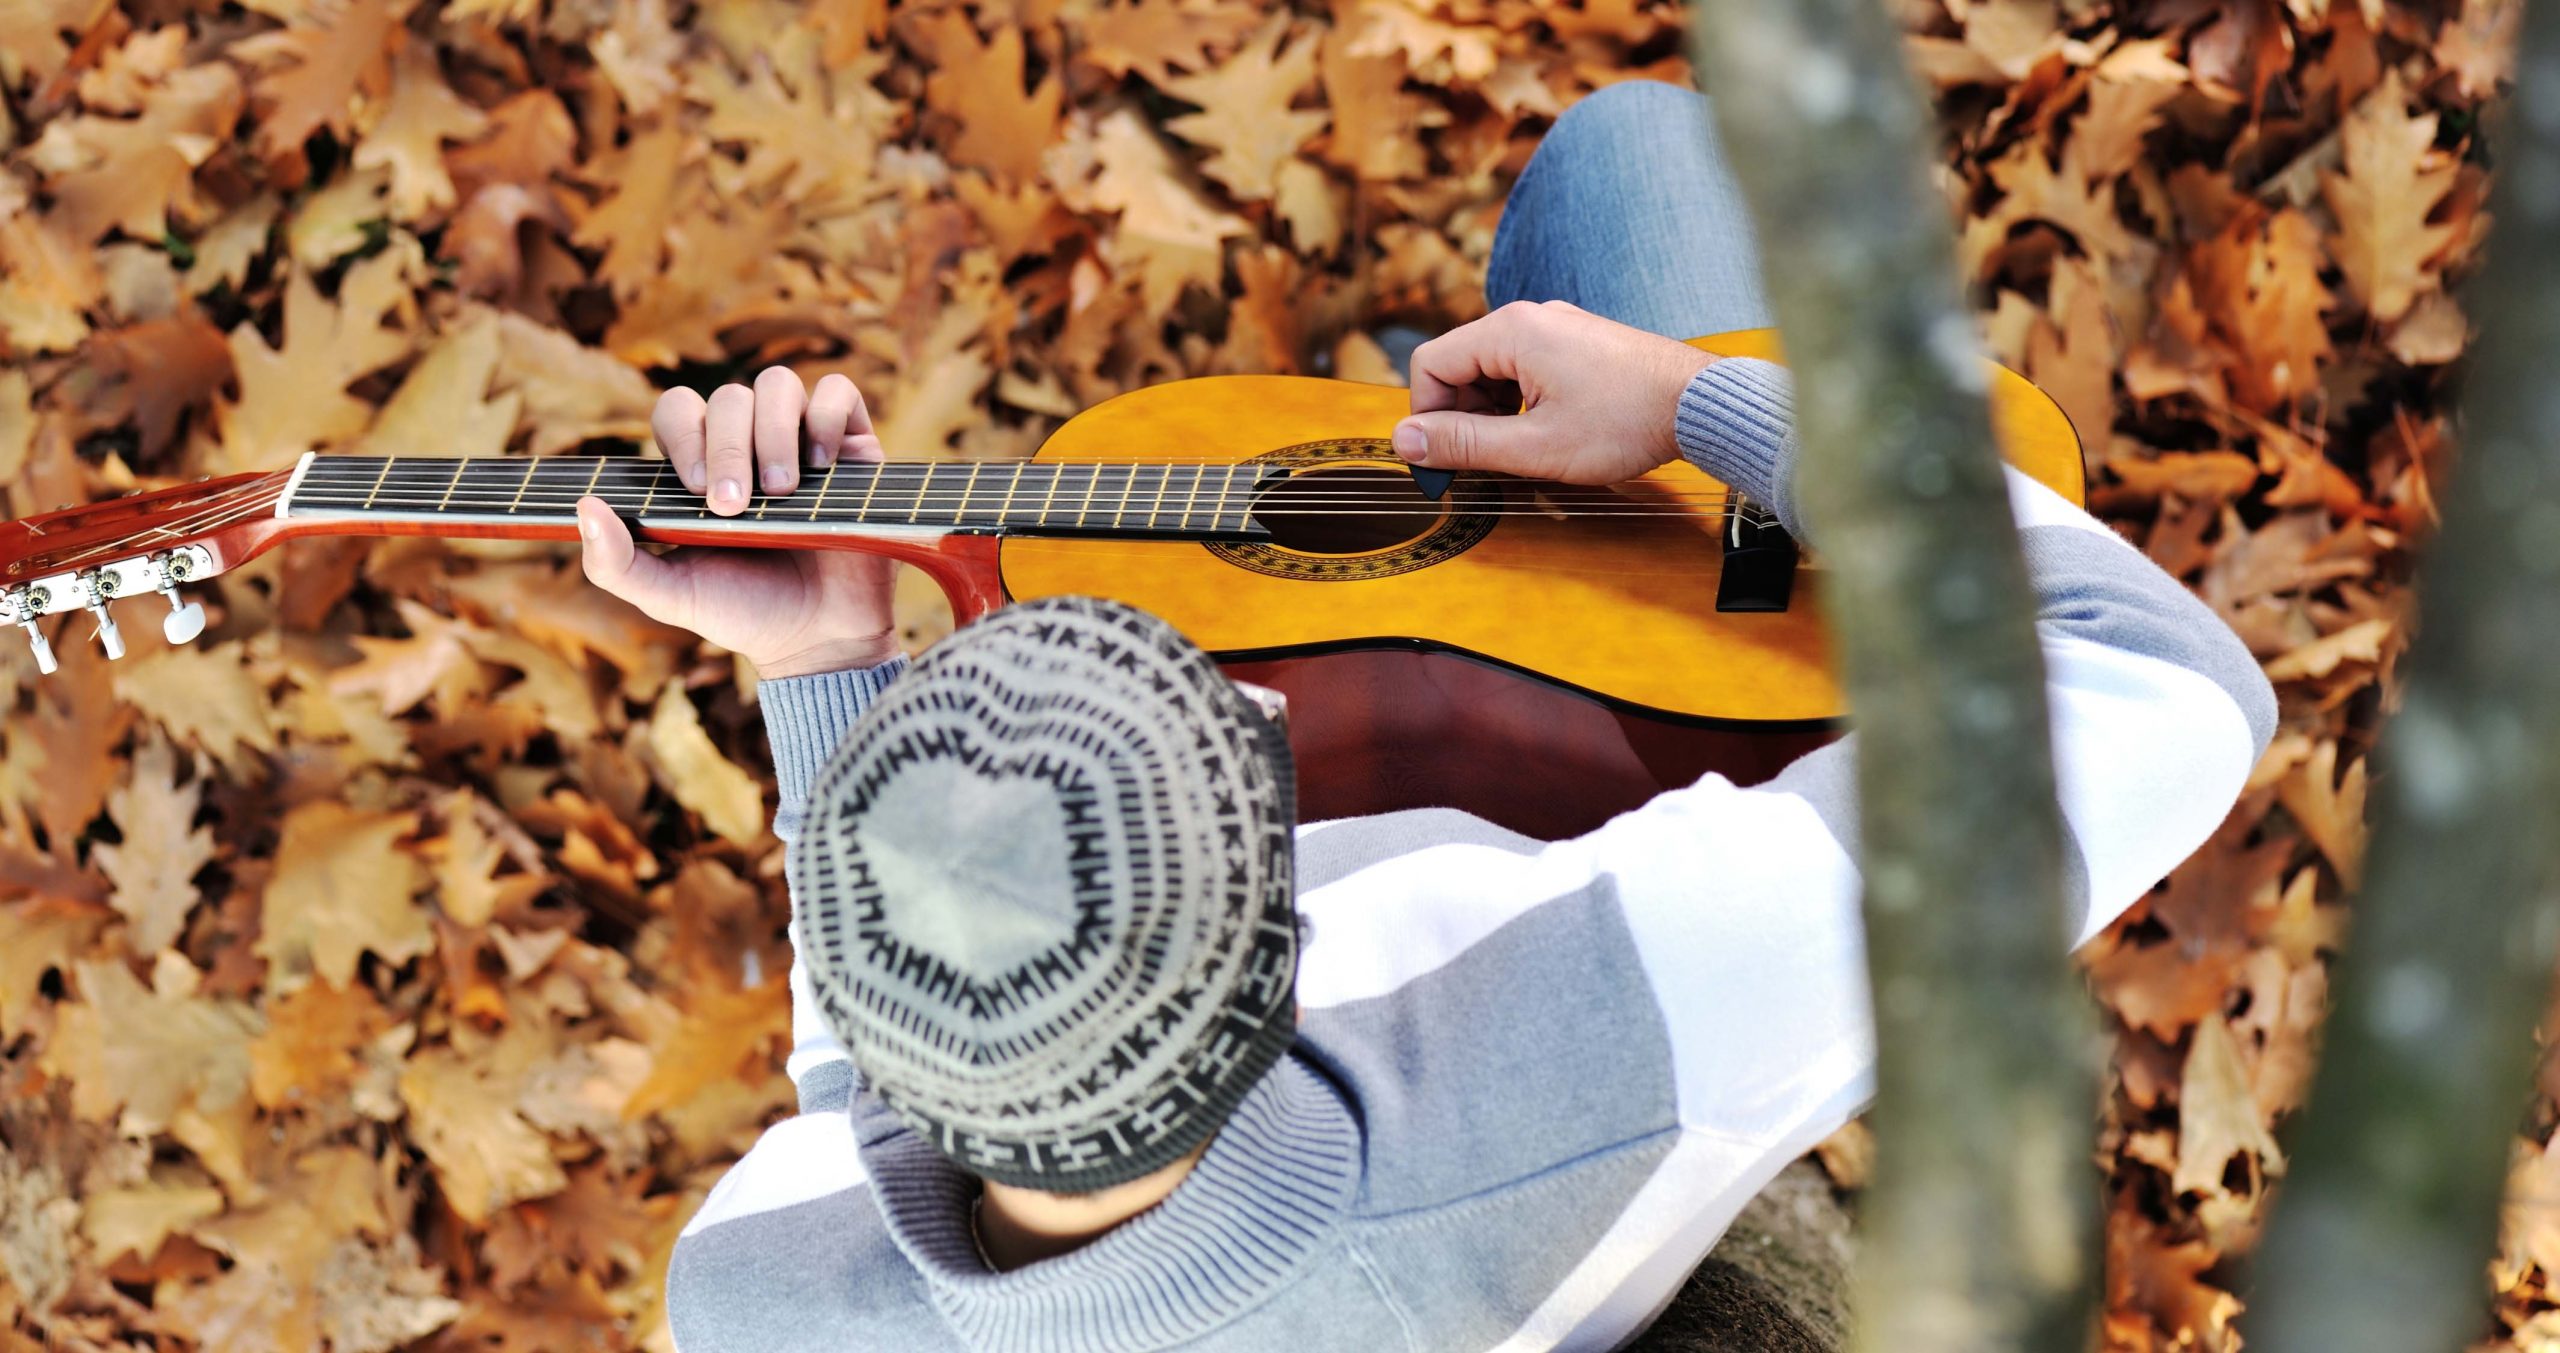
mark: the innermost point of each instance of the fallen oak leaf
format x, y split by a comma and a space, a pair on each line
463, 1116
142, 1055
323, 66
2218, 1120
40, 936
208, 697
2393, 179
310, 1050
1245, 115
155, 865
2359, 642
696, 775
2330, 809
134, 1220
1003, 127
343, 886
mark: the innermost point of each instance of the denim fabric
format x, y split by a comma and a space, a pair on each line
1629, 210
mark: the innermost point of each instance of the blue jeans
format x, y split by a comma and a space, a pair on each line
1629, 210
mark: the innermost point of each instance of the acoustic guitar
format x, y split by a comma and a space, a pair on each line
1544, 655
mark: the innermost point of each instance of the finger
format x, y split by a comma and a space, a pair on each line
1449, 370
726, 432
616, 564
677, 424
835, 409
1447, 439
779, 399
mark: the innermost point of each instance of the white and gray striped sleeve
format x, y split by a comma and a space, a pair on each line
804, 718
1744, 902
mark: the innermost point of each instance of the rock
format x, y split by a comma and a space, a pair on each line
1777, 1283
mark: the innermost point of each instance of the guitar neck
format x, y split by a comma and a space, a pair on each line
538, 497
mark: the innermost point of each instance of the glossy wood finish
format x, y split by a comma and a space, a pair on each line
1620, 607
1378, 730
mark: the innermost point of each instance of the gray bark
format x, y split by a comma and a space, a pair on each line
1979, 1230
2380, 1237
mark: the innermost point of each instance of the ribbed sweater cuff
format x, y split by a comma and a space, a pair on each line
1736, 421
804, 718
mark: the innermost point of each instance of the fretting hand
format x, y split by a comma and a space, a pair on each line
1596, 398
789, 612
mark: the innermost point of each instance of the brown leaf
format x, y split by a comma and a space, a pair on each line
150, 1052
344, 886
979, 84
1246, 110
694, 772
2393, 179
484, 1153
154, 868
321, 67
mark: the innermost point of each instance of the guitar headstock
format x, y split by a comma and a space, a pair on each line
83, 558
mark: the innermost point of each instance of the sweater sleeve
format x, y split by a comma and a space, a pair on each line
804, 718
2158, 712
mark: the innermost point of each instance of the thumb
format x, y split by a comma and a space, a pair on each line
1448, 439
619, 566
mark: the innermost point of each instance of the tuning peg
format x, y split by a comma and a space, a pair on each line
185, 619
109, 637
44, 651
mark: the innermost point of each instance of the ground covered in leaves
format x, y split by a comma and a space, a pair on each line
399, 965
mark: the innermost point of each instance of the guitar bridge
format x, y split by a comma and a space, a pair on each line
1759, 561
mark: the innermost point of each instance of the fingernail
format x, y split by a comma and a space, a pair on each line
586, 530
820, 457
692, 475
1408, 441
776, 479
728, 491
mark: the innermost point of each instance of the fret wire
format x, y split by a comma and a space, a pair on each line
1011, 484
825, 482
1093, 480
921, 486
1128, 490
863, 512
458, 467
1198, 473
1164, 480
961, 512
1226, 485
1056, 473
387, 463
530, 466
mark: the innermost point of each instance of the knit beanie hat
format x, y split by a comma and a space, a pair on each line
1045, 895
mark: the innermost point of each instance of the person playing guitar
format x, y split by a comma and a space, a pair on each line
1098, 1048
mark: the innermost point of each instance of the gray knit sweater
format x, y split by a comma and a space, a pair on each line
1534, 1080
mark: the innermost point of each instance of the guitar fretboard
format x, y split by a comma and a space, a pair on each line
1186, 502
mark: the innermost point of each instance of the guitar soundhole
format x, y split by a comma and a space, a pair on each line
1345, 510
1348, 512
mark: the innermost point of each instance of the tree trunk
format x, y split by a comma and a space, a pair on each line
2380, 1237
1979, 1230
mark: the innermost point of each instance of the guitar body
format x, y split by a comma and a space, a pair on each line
1488, 658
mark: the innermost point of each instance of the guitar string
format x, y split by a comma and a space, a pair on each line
369, 479
267, 493
1314, 487
532, 509
207, 518
1307, 486
1291, 498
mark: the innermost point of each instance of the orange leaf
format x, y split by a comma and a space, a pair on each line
341, 53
